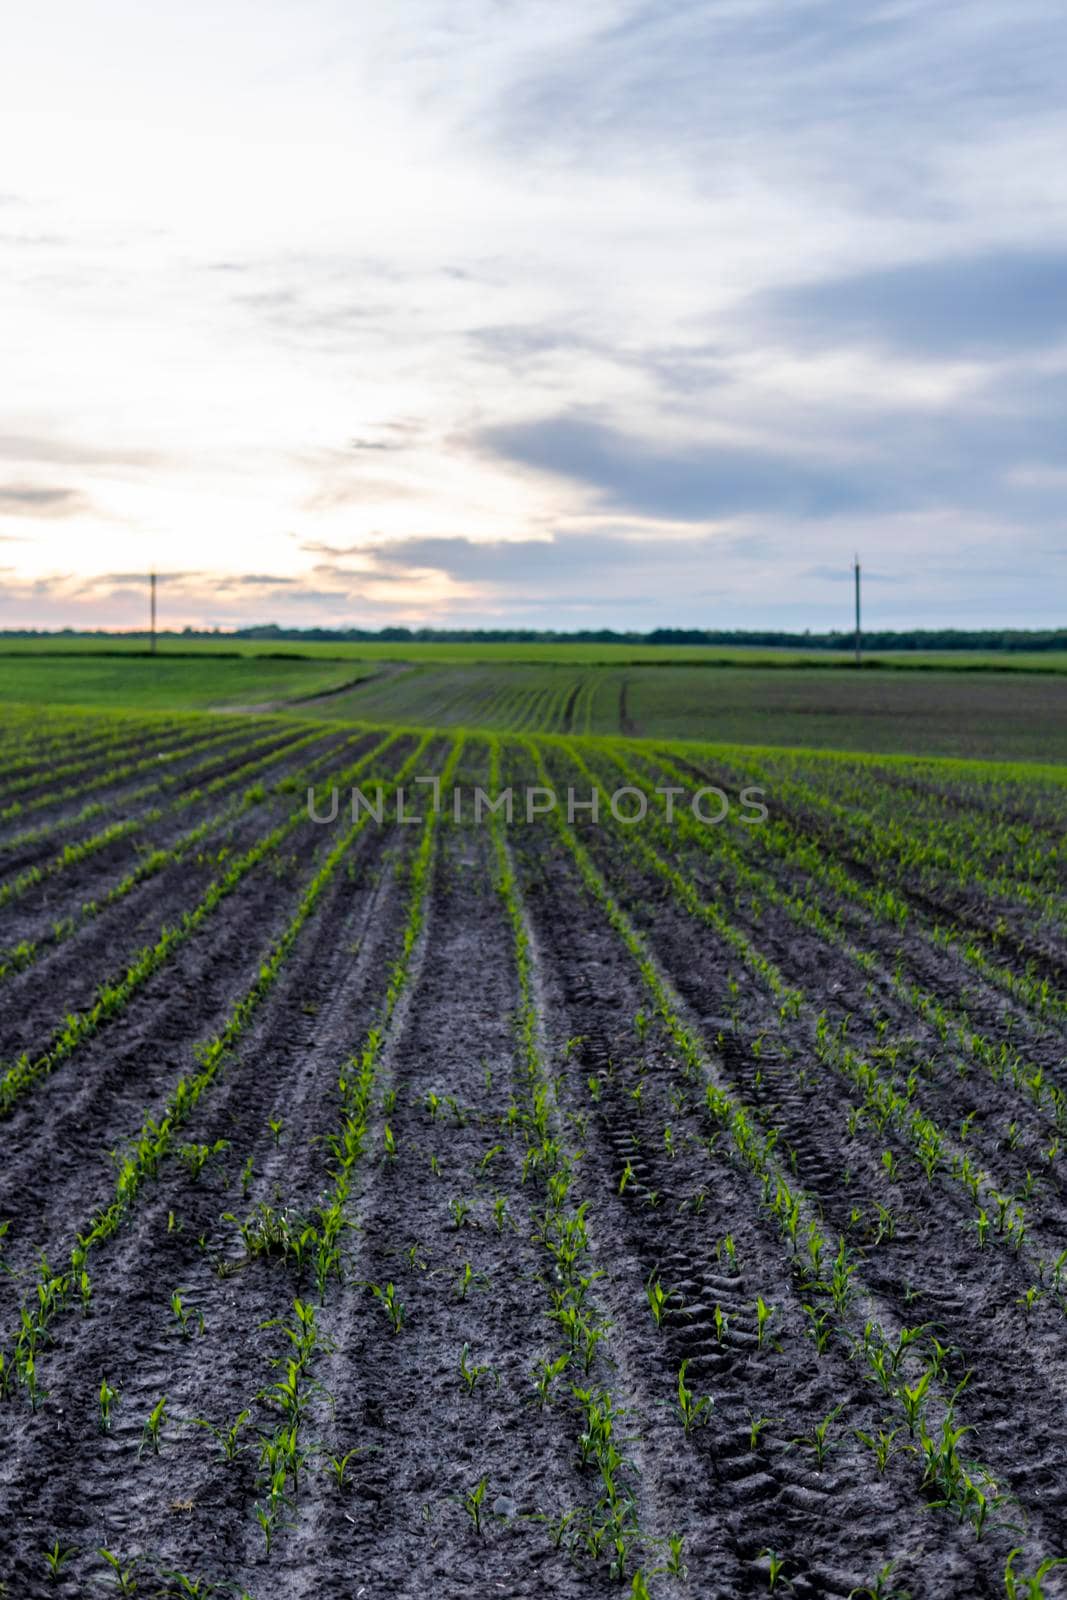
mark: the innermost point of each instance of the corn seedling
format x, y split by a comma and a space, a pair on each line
675, 1563
337, 1466
546, 1374
912, 1398
659, 1299
765, 1315
391, 1304
817, 1439
108, 1399
460, 1212
196, 1156
473, 1500
469, 1372
775, 1569
756, 1426
880, 1445
228, 1439
694, 1412
153, 1425
878, 1587
1030, 1586
56, 1559
188, 1318
124, 1573
467, 1280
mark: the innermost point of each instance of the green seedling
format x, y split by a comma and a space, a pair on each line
878, 1587
776, 1569
460, 1211
756, 1426
391, 1304
659, 1299
276, 1126
188, 1318
468, 1280
817, 1439
469, 1372
228, 1439
765, 1315
675, 1562
913, 1397
125, 1572
191, 1588
546, 1374
473, 1500
337, 1466
108, 1399
880, 1445
196, 1156
1028, 1586
694, 1412
56, 1559
151, 1431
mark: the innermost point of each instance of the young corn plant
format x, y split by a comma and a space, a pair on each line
756, 1426
546, 1374
817, 1439
124, 1573
880, 1445
775, 1570
473, 1500
765, 1315
390, 1302
56, 1559
469, 1371
189, 1319
879, 1587
337, 1466
659, 1299
694, 1412
1028, 1586
153, 1426
227, 1439
109, 1398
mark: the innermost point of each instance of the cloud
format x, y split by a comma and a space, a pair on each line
993, 303
35, 500
689, 483
26, 447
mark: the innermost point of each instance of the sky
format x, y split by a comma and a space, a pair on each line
476, 314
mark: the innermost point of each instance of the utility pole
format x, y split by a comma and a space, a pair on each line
152, 584
857, 573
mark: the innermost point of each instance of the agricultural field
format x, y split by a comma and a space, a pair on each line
1016, 715
403, 1201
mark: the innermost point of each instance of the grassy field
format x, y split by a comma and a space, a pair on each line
168, 683
664, 1203
574, 654
995, 716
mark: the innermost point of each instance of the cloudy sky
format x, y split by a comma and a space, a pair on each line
613, 314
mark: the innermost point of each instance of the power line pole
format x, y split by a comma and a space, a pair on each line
152, 583
857, 572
